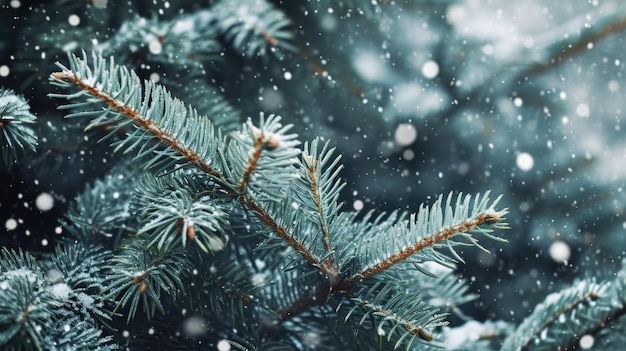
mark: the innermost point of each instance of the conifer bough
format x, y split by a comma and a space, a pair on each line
292, 193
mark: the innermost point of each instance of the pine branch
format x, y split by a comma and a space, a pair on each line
36, 312
320, 173
78, 272
563, 317
75, 333
160, 42
262, 158
585, 299
188, 136
438, 285
283, 232
152, 114
385, 303
581, 37
586, 308
180, 207
259, 168
15, 134
24, 308
99, 217
253, 27
607, 323
430, 228
143, 273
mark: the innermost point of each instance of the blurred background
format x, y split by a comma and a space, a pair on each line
522, 98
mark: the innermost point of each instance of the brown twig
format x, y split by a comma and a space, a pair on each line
416, 330
146, 124
318, 201
429, 241
281, 231
253, 163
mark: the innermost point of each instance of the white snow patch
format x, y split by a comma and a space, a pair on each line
44, 202
560, 252
258, 279
73, 20
525, 161
430, 69
194, 326
155, 47
10, 224
60, 290
456, 338
369, 66
223, 345
23, 272
405, 134
583, 110
586, 342
85, 299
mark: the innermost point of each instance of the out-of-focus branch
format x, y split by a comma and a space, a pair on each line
611, 20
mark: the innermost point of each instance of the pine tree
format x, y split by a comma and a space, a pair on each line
200, 231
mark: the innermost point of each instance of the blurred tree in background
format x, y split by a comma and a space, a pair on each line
419, 96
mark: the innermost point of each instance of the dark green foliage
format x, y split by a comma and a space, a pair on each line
394, 313
218, 234
15, 124
292, 201
139, 272
52, 310
161, 42
208, 101
567, 316
81, 270
436, 220
27, 304
260, 161
75, 333
181, 208
253, 27
101, 217
159, 114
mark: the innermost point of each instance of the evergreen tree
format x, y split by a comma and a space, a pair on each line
217, 224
